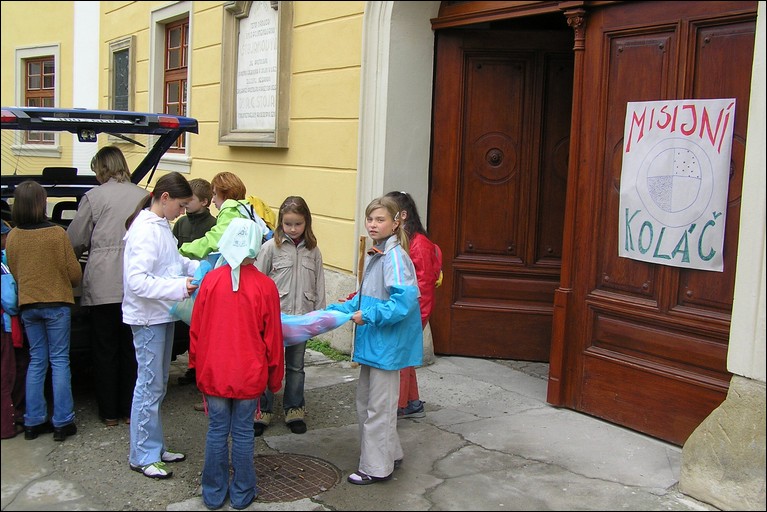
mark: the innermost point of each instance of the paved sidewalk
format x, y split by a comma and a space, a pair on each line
489, 441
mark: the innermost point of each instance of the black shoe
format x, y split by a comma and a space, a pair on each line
35, 430
61, 433
297, 427
258, 429
190, 377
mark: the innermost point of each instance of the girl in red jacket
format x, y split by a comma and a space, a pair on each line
427, 259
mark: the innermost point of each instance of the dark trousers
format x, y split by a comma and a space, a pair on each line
13, 375
180, 339
8, 376
114, 361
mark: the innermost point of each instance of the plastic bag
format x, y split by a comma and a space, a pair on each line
299, 328
215, 259
183, 310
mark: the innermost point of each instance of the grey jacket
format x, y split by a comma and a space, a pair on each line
298, 274
99, 228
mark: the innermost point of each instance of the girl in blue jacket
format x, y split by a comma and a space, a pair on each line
388, 337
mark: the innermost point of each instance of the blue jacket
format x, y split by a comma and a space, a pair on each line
10, 298
391, 337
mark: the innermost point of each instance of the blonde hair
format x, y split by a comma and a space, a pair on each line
109, 162
392, 208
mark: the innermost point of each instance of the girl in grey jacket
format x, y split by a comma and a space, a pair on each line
294, 262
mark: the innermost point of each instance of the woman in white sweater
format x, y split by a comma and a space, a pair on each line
155, 276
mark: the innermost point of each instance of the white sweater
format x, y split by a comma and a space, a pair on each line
154, 273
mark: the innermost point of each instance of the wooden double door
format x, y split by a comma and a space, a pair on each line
524, 194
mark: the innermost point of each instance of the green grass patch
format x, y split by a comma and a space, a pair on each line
324, 347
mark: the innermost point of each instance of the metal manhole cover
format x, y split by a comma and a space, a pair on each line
290, 477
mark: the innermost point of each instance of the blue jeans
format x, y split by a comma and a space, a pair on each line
48, 331
153, 344
293, 394
229, 416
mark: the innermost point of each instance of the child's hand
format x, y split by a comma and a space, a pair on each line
348, 297
191, 287
357, 318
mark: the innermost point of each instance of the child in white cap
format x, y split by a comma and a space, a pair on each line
237, 350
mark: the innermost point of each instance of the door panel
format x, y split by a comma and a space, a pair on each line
498, 186
632, 56
714, 45
555, 147
645, 345
493, 146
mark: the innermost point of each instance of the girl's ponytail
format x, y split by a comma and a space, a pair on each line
145, 202
174, 183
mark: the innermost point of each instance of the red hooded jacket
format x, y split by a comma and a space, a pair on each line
236, 341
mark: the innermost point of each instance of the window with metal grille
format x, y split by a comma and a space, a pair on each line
121, 73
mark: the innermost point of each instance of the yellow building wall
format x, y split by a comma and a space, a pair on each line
53, 26
320, 163
55, 21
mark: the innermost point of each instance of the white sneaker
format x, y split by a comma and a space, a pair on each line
168, 456
155, 470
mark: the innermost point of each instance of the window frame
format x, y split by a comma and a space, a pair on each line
178, 75
42, 96
22, 55
180, 160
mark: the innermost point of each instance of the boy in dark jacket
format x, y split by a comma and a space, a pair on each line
197, 221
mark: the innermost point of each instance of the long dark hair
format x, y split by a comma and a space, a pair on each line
412, 222
30, 201
173, 183
297, 205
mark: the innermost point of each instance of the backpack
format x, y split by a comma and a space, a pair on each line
263, 211
438, 253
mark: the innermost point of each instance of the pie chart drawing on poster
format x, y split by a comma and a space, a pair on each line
675, 182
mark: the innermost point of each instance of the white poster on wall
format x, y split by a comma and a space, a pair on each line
674, 182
